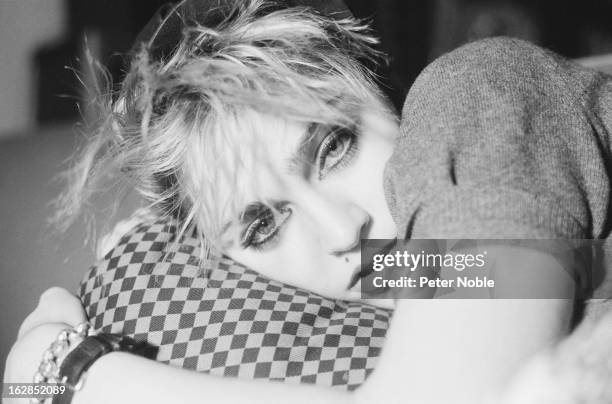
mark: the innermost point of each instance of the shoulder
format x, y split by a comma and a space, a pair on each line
491, 57
508, 66
122, 228
504, 123
497, 66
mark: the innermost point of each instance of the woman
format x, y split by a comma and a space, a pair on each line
470, 162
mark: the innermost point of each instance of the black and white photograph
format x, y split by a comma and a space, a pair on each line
306, 201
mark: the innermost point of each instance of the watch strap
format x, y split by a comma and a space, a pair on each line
80, 359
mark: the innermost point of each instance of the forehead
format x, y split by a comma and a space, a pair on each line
266, 143
279, 139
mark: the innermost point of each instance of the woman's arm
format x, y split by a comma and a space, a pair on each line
125, 378
461, 351
466, 351
436, 351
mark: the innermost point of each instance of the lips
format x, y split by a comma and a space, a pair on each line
364, 270
357, 276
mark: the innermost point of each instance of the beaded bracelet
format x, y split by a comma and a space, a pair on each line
67, 339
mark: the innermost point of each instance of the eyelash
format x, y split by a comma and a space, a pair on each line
249, 235
348, 153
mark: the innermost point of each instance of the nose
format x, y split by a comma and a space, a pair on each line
341, 224
344, 231
339, 219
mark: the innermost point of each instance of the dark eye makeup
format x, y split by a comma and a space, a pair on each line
262, 223
336, 151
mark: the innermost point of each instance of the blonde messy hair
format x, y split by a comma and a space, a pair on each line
168, 130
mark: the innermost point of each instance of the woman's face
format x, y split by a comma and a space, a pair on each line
327, 191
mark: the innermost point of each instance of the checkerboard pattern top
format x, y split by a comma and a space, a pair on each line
225, 319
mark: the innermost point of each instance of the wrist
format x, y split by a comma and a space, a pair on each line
103, 380
66, 341
76, 365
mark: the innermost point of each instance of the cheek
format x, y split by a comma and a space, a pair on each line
293, 260
299, 260
362, 183
367, 168
376, 151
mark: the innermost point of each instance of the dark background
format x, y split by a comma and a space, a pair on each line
39, 39
413, 32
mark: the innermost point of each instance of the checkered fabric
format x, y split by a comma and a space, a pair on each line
225, 319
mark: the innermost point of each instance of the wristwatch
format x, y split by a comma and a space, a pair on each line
80, 359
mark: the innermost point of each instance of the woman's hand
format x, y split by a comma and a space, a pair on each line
57, 309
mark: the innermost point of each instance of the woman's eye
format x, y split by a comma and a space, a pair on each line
335, 151
264, 228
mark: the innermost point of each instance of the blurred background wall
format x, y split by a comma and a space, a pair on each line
42, 45
24, 27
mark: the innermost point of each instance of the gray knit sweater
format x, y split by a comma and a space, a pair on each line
502, 139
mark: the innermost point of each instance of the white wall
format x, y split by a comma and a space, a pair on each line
24, 26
